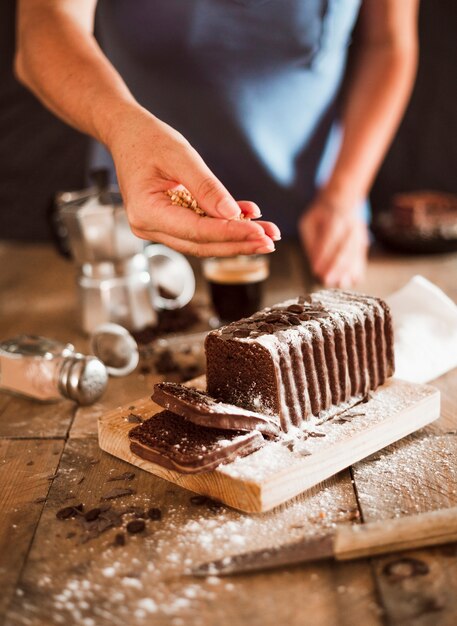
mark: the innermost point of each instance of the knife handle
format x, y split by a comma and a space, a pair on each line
394, 535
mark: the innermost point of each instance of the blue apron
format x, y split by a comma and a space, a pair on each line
252, 84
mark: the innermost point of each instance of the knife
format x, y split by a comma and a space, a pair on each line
345, 543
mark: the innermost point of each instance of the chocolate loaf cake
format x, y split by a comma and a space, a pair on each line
300, 357
177, 444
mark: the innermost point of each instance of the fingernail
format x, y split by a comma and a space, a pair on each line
228, 208
276, 237
269, 247
255, 236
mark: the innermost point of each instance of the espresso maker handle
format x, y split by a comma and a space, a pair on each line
171, 271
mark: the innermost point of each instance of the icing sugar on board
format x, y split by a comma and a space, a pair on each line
275, 473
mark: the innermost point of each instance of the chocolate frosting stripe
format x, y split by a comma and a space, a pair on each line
366, 305
353, 358
321, 365
303, 409
342, 358
389, 335
311, 375
362, 354
328, 332
283, 407
289, 410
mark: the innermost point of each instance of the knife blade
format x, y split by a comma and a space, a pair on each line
347, 542
309, 549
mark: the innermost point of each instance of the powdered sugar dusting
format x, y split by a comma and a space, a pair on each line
145, 580
337, 425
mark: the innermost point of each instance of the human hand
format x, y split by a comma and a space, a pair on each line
151, 158
336, 243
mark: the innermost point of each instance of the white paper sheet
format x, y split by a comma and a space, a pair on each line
425, 326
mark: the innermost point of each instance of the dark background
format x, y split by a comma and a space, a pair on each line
39, 155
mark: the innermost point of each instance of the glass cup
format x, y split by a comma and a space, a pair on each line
236, 285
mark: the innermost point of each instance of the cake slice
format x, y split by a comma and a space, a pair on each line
200, 408
298, 358
425, 211
177, 444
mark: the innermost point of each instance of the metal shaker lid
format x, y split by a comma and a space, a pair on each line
83, 379
116, 348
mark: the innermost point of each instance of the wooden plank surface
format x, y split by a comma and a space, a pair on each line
67, 580
38, 289
26, 471
274, 474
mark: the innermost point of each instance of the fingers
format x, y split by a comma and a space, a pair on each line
270, 229
335, 236
348, 265
249, 209
189, 168
157, 214
213, 249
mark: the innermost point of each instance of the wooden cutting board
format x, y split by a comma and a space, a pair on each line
276, 473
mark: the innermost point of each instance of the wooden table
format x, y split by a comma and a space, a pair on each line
50, 458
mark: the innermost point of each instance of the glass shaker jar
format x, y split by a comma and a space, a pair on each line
48, 370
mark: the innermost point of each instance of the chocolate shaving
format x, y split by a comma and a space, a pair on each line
70, 511
119, 539
118, 492
316, 433
295, 308
132, 418
294, 319
241, 333
136, 526
154, 514
124, 476
92, 515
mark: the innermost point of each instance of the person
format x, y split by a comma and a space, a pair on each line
232, 99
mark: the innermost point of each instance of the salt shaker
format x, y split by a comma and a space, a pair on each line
48, 370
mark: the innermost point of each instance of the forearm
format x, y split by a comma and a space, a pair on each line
60, 61
375, 101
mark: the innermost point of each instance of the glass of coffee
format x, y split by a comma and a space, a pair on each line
236, 285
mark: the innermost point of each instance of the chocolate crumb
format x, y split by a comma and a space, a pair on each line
69, 511
294, 319
39, 500
316, 433
132, 408
70, 535
118, 492
92, 515
119, 539
241, 333
30, 463
295, 308
154, 514
124, 476
199, 500
132, 418
136, 526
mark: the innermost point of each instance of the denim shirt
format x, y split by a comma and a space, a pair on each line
252, 84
